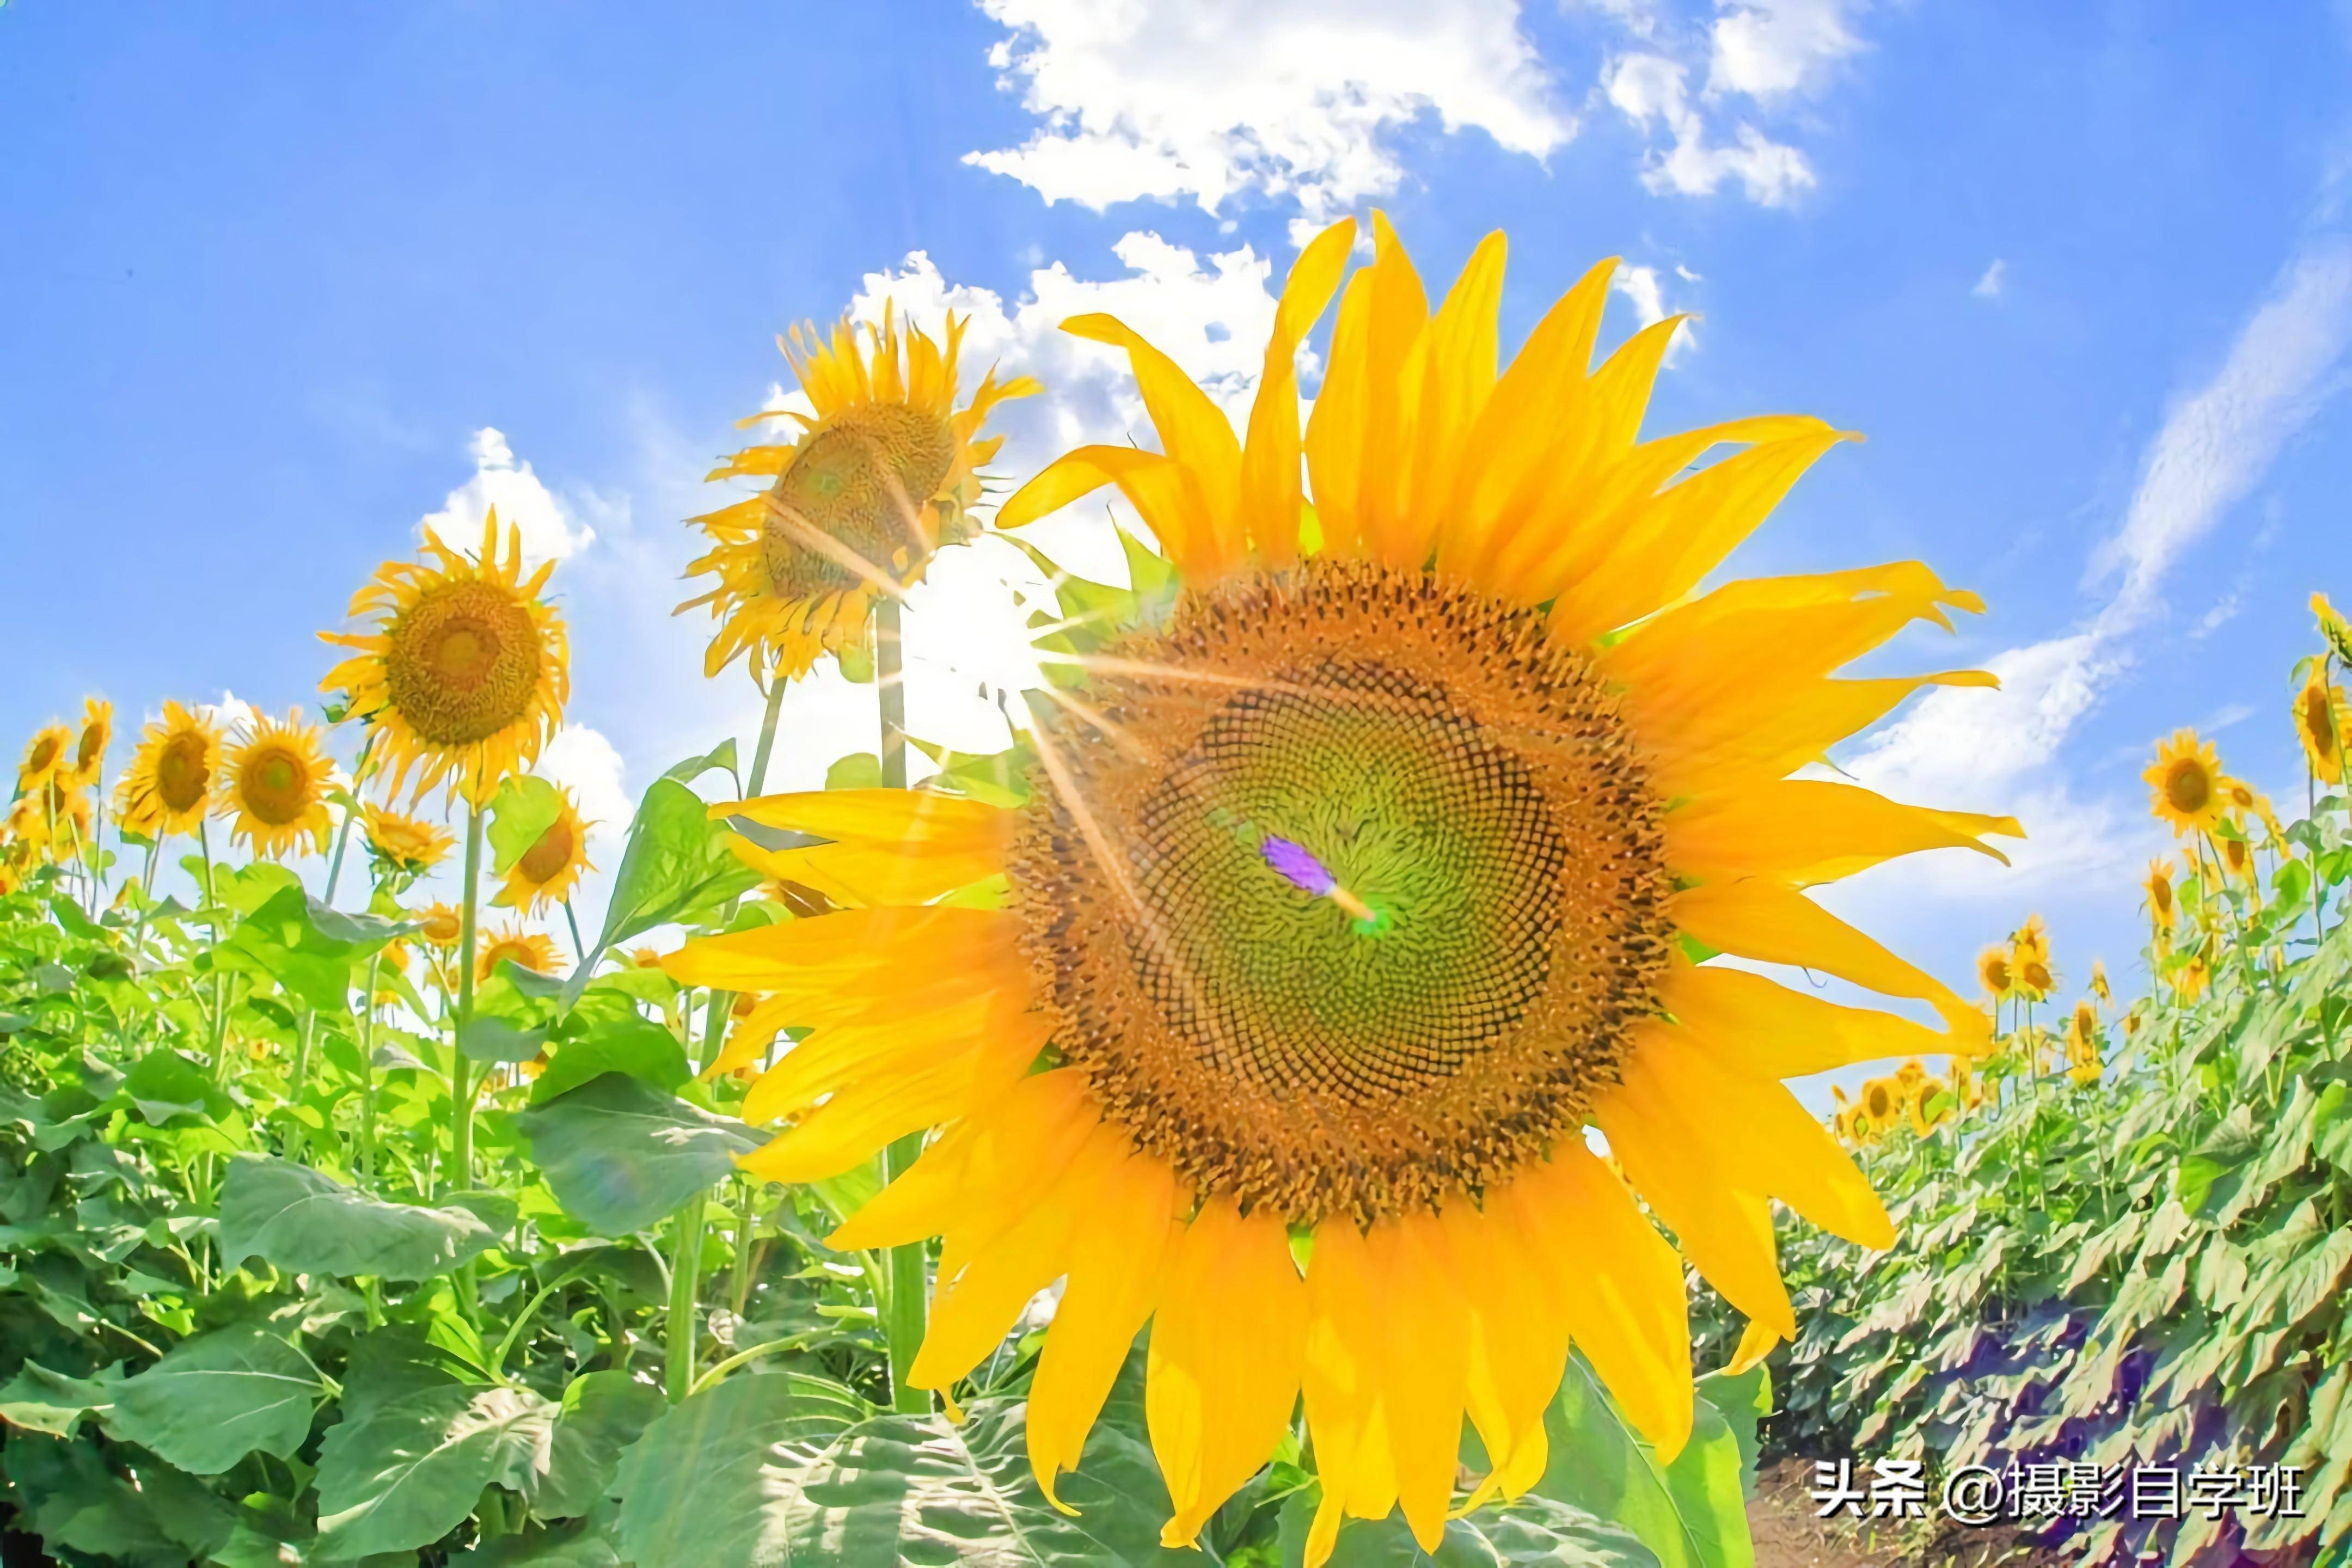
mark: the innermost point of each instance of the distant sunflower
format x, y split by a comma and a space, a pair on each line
1882, 1101
1349, 893
170, 781
2190, 979
2332, 628
2245, 800
646, 957
407, 844
2237, 858
2082, 1028
873, 487
46, 755
1961, 1079
91, 745
1993, 972
544, 873
2185, 783
464, 673
526, 949
441, 925
274, 783
2163, 909
2099, 982
54, 817
2320, 721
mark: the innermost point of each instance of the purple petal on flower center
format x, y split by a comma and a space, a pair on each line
1297, 866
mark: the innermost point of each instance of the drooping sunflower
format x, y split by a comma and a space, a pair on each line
1993, 972
274, 783
2163, 909
2099, 986
47, 754
466, 671
1349, 892
409, 846
91, 745
544, 873
2185, 783
527, 949
877, 482
169, 785
2320, 721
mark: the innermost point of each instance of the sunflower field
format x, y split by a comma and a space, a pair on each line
1282, 1111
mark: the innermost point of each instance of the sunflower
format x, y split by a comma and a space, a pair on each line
97, 735
2245, 800
170, 781
55, 818
441, 925
2029, 963
875, 485
274, 781
464, 673
2237, 860
2082, 1028
1882, 1101
1993, 972
2133, 1019
2185, 783
2320, 721
1925, 1106
1473, 693
409, 846
529, 949
646, 957
544, 873
1961, 1079
2190, 979
2099, 986
2163, 909
2332, 628
47, 754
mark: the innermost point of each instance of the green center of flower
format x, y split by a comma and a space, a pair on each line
275, 786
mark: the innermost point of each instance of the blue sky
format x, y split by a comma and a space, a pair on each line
282, 283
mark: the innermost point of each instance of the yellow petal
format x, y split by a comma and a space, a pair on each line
1518, 1341
1194, 435
1357, 437
1807, 831
1224, 1371
1784, 728
1340, 1374
1780, 925
1017, 1142
856, 1123
1425, 1364
1759, 1026
1756, 1342
1271, 492
804, 954
1449, 386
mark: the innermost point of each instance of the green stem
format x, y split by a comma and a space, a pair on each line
907, 1308
461, 1088
677, 1330
344, 833
721, 1368
578, 946
220, 975
367, 1072
759, 753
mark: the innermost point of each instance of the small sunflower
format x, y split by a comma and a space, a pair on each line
1348, 892
2163, 908
2082, 1028
2185, 783
464, 673
1882, 1101
647, 957
2029, 960
274, 781
1961, 1079
2189, 980
46, 755
2245, 800
2237, 860
56, 818
2030, 941
2321, 721
1993, 972
97, 735
544, 873
873, 487
1927, 1108
527, 949
2099, 986
409, 846
441, 925
170, 781
2334, 630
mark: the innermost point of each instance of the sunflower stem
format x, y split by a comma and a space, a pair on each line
677, 1330
220, 975
461, 1090
760, 752
907, 1308
366, 1163
344, 833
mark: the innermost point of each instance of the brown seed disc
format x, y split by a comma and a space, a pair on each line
463, 662
863, 482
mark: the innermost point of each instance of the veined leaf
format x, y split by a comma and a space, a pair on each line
1692, 1513
1534, 1529
304, 1221
620, 1155
214, 1399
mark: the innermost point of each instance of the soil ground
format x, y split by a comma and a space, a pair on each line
1789, 1533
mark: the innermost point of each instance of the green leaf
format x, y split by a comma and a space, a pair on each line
860, 770
490, 1039
163, 1084
632, 1045
620, 1156
304, 946
40, 1400
404, 1471
576, 1546
1743, 1400
719, 756
215, 1398
1533, 1530
603, 1413
75, 1500
857, 661
304, 1221
676, 868
2332, 1127
524, 808
1692, 1513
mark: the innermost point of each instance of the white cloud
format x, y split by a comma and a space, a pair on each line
1646, 289
1972, 748
1288, 98
1653, 89
551, 528
1770, 48
1988, 286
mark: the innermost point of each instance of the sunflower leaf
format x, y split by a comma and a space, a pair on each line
524, 808
302, 1221
619, 1155
215, 1398
676, 868
1533, 1530
1692, 1513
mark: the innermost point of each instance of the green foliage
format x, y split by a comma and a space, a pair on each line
620, 1155
303, 1221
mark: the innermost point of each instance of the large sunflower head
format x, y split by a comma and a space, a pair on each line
46, 755
2185, 783
544, 873
90, 745
2320, 721
170, 781
402, 844
874, 483
274, 783
1353, 884
520, 945
465, 672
